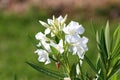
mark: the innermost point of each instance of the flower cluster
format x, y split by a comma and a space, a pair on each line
60, 39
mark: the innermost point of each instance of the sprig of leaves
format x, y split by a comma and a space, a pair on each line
46, 71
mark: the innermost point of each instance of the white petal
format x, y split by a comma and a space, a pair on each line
60, 18
80, 30
71, 38
46, 46
47, 31
43, 56
74, 50
58, 46
47, 62
61, 43
73, 28
81, 62
80, 54
50, 21
41, 59
68, 38
65, 30
39, 36
61, 50
84, 40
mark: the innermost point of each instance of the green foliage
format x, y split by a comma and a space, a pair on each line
109, 64
73, 72
46, 71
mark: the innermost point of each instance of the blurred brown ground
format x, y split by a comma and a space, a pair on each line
55, 3
59, 6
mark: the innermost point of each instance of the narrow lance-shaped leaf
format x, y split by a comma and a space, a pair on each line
54, 50
90, 64
103, 71
73, 72
32, 41
103, 46
46, 71
15, 77
116, 38
107, 37
98, 65
115, 69
93, 27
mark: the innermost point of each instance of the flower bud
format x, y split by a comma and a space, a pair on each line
67, 78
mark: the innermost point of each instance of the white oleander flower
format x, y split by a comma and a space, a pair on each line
71, 39
43, 56
73, 28
78, 45
40, 36
43, 41
58, 46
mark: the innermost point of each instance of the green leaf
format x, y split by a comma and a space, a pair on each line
97, 37
87, 77
116, 41
51, 57
90, 64
73, 72
93, 27
103, 46
115, 69
103, 71
114, 77
117, 52
81, 71
32, 40
56, 39
54, 50
46, 71
98, 65
15, 77
107, 37
77, 79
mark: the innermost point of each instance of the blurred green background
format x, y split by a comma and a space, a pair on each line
18, 25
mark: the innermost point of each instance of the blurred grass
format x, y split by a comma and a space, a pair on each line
16, 48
